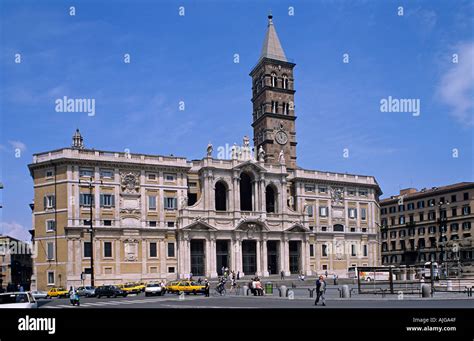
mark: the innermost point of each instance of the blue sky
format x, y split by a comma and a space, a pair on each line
190, 58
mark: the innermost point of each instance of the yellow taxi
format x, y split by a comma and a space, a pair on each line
141, 286
129, 288
57, 292
187, 287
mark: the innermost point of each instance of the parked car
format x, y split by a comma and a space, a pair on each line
186, 287
39, 294
152, 289
17, 300
58, 292
86, 291
109, 290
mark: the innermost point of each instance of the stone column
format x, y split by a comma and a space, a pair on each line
144, 256
238, 255
213, 257
303, 256
285, 256
163, 270
308, 259
259, 259
181, 257
233, 265
264, 254
263, 195
208, 257
236, 192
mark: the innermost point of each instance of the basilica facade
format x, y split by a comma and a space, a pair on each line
120, 217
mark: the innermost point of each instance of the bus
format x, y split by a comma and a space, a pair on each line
369, 275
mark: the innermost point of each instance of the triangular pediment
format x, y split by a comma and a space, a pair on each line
253, 225
297, 228
251, 165
199, 225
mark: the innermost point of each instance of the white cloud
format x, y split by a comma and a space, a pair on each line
15, 230
456, 87
17, 145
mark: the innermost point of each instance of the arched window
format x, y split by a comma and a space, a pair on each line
245, 192
274, 107
286, 107
285, 82
274, 79
338, 228
221, 196
270, 199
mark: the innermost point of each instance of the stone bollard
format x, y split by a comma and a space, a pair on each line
403, 274
425, 290
450, 285
245, 290
345, 291
283, 291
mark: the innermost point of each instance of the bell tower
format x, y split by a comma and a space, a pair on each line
273, 101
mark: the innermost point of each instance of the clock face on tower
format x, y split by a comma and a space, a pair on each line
281, 137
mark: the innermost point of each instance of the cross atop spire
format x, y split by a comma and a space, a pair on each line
271, 45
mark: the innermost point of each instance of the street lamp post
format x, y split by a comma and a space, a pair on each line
90, 184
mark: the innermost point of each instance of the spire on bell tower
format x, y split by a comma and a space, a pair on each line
271, 45
273, 101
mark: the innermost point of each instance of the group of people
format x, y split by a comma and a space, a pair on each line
255, 286
12, 287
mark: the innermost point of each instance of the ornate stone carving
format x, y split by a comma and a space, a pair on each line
130, 182
337, 195
261, 154
339, 250
131, 250
281, 158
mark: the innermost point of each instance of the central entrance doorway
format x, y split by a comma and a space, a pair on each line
198, 260
249, 257
295, 253
272, 257
222, 255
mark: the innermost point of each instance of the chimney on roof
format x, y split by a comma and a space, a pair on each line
406, 191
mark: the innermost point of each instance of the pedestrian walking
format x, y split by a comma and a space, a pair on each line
238, 275
335, 279
282, 275
206, 287
320, 291
326, 273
